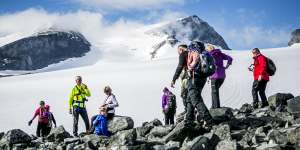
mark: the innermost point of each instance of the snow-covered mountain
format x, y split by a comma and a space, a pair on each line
295, 37
189, 29
42, 49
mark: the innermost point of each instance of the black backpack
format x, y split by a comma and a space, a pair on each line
171, 103
271, 67
206, 65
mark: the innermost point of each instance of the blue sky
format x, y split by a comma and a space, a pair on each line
243, 24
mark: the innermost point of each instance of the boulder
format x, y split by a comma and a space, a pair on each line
1, 135
178, 133
160, 131
198, 143
58, 134
222, 131
71, 140
125, 137
294, 106
246, 108
171, 145
48, 146
266, 146
14, 136
260, 135
227, 145
83, 146
293, 135
213, 139
96, 141
221, 114
120, 123
277, 137
279, 99
180, 117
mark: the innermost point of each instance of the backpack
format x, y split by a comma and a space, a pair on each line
271, 67
171, 106
206, 65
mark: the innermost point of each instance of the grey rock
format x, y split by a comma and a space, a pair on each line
1, 135
198, 143
71, 140
20, 146
295, 37
190, 28
155, 122
160, 131
266, 146
125, 137
221, 114
178, 133
279, 99
277, 137
14, 136
228, 145
48, 146
222, 131
42, 49
294, 106
120, 123
180, 117
96, 141
58, 134
83, 146
213, 139
246, 108
293, 135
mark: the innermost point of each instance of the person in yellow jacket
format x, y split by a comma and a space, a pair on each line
77, 104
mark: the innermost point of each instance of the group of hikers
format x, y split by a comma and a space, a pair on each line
197, 63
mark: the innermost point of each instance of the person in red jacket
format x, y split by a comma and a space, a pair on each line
261, 78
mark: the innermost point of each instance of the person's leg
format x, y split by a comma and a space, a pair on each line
190, 115
44, 128
219, 84
262, 94
214, 93
92, 125
38, 130
197, 100
184, 92
85, 118
255, 93
172, 118
75, 121
166, 119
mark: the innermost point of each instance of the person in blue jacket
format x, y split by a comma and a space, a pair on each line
100, 123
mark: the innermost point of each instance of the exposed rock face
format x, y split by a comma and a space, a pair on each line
295, 37
248, 128
42, 49
190, 28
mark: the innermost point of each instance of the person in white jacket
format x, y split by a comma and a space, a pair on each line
110, 103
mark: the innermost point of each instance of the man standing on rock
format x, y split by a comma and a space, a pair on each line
196, 83
261, 78
77, 104
181, 71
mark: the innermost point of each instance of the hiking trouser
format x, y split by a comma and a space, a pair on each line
259, 87
184, 92
169, 118
42, 128
195, 100
215, 86
83, 113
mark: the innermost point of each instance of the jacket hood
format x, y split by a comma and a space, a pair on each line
215, 52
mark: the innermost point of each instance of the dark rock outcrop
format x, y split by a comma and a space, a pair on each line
42, 49
190, 28
295, 37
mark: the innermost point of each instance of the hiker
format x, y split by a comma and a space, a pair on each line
109, 104
181, 71
168, 106
43, 120
100, 122
77, 104
200, 66
51, 119
261, 78
217, 79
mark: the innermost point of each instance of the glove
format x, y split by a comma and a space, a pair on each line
29, 123
70, 111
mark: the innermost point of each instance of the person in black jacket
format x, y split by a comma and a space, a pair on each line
181, 71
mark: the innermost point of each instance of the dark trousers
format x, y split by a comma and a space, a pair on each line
259, 87
169, 118
195, 100
215, 86
42, 128
83, 113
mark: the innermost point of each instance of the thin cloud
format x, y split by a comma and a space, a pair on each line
129, 4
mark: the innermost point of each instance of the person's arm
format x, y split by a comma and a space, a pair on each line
180, 66
36, 113
163, 101
87, 92
53, 119
228, 58
71, 98
262, 66
114, 103
194, 60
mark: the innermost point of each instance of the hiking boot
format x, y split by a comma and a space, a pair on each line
264, 104
255, 105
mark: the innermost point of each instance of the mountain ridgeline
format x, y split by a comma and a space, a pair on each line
40, 50
190, 28
295, 37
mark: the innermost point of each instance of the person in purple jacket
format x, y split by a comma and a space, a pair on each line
217, 79
168, 103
